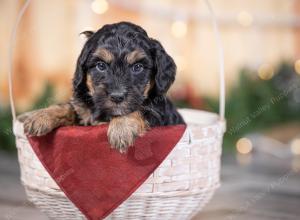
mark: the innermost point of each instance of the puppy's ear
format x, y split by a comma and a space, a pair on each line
165, 68
80, 88
87, 34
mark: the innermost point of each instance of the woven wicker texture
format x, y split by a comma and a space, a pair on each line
178, 188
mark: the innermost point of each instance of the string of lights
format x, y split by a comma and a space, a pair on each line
242, 18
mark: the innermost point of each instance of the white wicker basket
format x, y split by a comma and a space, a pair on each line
177, 189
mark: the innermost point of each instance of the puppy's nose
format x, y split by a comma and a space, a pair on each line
117, 97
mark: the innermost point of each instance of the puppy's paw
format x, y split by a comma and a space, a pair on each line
39, 123
24, 116
121, 138
123, 131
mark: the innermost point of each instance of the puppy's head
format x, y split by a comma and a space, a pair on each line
119, 67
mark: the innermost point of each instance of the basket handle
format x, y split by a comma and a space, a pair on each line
217, 39
10, 52
221, 61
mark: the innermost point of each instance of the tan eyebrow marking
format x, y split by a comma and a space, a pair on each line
134, 56
104, 55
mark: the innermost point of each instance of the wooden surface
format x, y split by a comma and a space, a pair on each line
258, 187
253, 187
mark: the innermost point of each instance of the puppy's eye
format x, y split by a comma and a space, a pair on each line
101, 66
137, 68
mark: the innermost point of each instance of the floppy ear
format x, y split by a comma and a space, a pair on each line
80, 88
165, 68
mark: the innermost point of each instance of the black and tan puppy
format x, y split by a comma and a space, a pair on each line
122, 77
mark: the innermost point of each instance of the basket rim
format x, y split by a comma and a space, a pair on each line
187, 114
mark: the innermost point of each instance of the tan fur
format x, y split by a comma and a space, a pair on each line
148, 87
135, 56
104, 55
84, 114
90, 85
123, 130
45, 120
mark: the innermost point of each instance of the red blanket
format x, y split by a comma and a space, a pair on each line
96, 178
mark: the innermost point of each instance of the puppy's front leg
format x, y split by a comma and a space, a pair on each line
123, 130
45, 120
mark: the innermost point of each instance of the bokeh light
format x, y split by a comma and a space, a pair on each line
179, 28
266, 72
244, 146
297, 66
295, 146
99, 6
245, 19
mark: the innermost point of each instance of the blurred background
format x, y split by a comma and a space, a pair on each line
262, 65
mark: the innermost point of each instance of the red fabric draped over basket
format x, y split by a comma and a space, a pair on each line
96, 178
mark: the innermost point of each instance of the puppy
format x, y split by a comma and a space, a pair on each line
121, 77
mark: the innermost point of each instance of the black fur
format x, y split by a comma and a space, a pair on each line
158, 69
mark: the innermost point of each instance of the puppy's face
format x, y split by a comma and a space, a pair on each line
118, 77
118, 68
